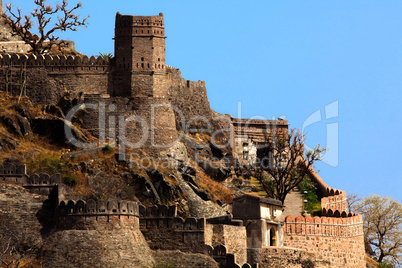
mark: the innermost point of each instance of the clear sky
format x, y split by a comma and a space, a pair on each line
292, 59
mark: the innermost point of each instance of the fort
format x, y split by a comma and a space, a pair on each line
256, 233
136, 82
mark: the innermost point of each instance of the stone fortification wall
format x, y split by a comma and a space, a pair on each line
289, 258
334, 204
7, 170
36, 183
14, 46
49, 77
190, 98
144, 122
97, 248
173, 104
338, 241
99, 215
164, 230
107, 233
233, 237
19, 216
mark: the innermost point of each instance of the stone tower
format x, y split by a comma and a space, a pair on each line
140, 56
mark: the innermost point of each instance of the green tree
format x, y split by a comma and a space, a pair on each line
382, 223
41, 36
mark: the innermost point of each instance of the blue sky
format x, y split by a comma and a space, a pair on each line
288, 58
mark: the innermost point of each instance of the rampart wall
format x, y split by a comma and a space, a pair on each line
190, 99
101, 215
338, 241
290, 258
334, 204
12, 170
138, 122
36, 183
160, 225
48, 78
233, 237
164, 230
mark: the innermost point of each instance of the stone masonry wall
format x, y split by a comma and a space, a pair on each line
273, 257
336, 240
101, 215
334, 203
190, 99
19, 212
97, 248
164, 230
138, 122
233, 237
49, 77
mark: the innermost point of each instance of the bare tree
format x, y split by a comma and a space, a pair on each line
44, 39
351, 200
282, 163
382, 223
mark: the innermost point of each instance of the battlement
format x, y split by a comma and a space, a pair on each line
325, 226
55, 63
36, 183
335, 202
338, 242
140, 25
91, 215
7, 170
162, 216
100, 208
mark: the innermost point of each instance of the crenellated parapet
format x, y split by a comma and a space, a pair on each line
89, 214
163, 229
334, 203
56, 63
164, 217
11, 170
36, 183
350, 226
335, 242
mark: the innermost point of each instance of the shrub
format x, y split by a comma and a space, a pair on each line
309, 192
70, 180
107, 149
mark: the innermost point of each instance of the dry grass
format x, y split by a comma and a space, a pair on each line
370, 263
201, 137
215, 189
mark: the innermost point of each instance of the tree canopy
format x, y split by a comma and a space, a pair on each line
382, 223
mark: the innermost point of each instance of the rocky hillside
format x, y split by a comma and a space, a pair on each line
34, 135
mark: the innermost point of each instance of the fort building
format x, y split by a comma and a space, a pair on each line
137, 83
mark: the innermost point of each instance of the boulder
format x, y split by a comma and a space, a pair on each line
11, 124
25, 126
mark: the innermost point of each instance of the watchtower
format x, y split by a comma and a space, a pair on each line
140, 55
